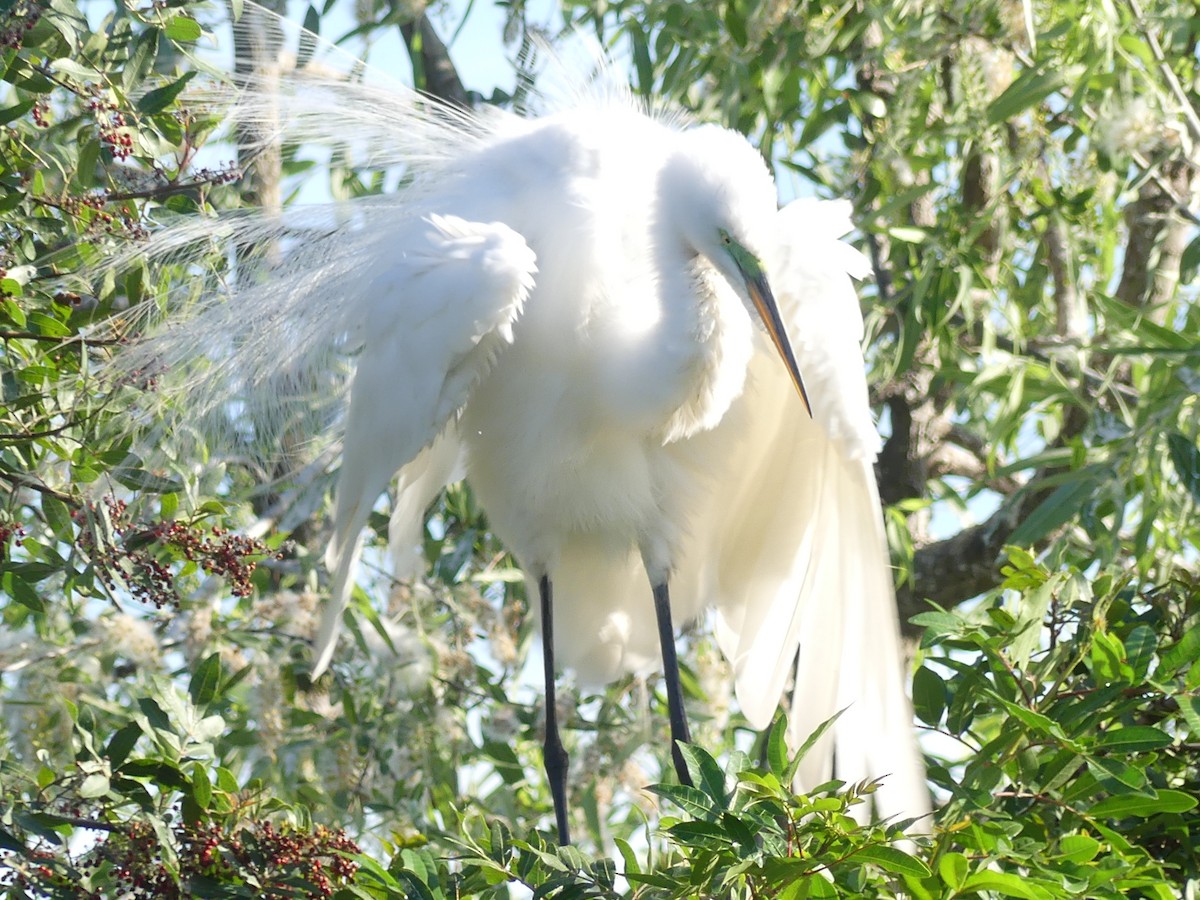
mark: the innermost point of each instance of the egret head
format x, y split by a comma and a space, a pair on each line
720, 196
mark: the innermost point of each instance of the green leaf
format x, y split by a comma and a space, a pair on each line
93, 786
1185, 457
701, 834
953, 869
74, 69
1143, 805
1078, 848
794, 766
735, 24
1133, 739
141, 59
908, 235
58, 517
14, 112
201, 787
122, 743
1056, 510
705, 772
9, 842
1182, 653
1189, 709
691, 800
892, 860
1003, 883
183, 28
157, 100
1108, 658
1140, 645
1189, 263
777, 750
1031, 611
48, 325
628, 856
1103, 767
1029, 89
206, 680
1035, 720
504, 758
929, 696
22, 591
937, 624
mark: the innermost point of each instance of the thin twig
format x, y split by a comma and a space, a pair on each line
56, 653
20, 480
52, 339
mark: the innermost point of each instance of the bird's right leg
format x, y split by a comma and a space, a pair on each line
554, 756
666, 639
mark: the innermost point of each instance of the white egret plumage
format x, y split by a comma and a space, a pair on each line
592, 314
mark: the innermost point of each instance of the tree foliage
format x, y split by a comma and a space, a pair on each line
1024, 180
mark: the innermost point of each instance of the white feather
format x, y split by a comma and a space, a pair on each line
432, 321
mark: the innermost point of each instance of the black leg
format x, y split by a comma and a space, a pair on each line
553, 755
666, 639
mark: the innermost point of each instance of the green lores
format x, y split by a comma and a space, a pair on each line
751, 270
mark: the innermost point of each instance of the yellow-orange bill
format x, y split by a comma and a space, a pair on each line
764, 302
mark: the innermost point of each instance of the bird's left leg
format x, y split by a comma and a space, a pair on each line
666, 639
554, 756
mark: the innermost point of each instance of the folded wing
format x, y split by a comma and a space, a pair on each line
433, 322
803, 574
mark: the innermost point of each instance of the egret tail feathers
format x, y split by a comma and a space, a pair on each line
355, 496
343, 563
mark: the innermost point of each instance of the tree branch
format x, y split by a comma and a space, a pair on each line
21, 480
952, 571
441, 77
1156, 241
1070, 317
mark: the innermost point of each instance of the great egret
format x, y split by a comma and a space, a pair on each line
592, 313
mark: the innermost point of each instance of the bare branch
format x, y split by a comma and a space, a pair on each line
441, 77
952, 571
1156, 240
21, 480
55, 339
1070, 320
981, 182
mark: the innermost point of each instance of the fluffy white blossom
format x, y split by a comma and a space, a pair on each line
293, 611
132, 638
1137, 126
407, 660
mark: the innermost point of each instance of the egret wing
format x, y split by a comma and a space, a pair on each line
430, 327
803, 575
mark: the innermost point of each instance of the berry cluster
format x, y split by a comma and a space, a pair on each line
137, 865
277, 856
218, 553
7, 531
130, 561
42, 870
282, 862
20, 20
40, 108
118, 564
114, 129
226, 173
92, 205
